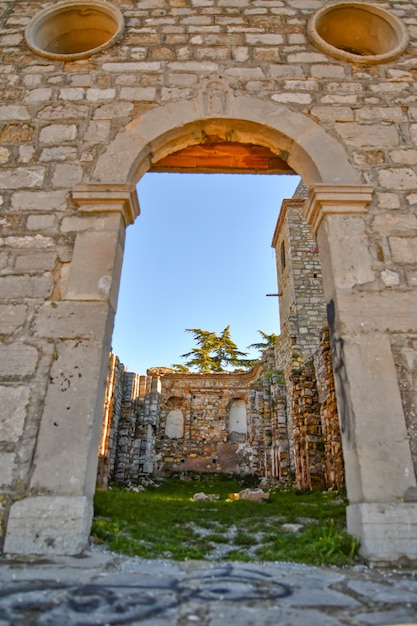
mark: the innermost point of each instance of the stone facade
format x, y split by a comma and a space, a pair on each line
78, 131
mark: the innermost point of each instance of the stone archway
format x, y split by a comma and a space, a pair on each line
56, 518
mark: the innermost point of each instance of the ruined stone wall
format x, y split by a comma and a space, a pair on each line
329, 418
269, 429
111, 419
170, 422
318, 455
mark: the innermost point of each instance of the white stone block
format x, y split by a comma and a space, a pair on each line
387, 531
13, 404
49, 525
68, 320
13, 112
17, 360
12, 316
22, 177
7, 463
66, 454
403, 249
57, 133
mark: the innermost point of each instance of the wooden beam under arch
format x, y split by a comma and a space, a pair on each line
223, 157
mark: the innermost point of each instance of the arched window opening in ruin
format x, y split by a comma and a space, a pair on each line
238, 425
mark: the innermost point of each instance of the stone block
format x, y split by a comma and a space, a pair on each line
96, 266
13, 403
66, 455
351, 261
12, 317
379, 312
360, 135
67, 175
29, 242
49, 525
25, 286
42, 94
138, 93
14, 112
57, 133
72, 94
70, 320
39, 201
59, 153
377, 454
17, 361
333, 114
265, 39
403, 249
98, 95
31, 177
7, 464
398, 178
97, 131
40, 222
387, 532
35, 262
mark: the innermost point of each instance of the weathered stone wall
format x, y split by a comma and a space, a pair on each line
170, 422
329, 419
318, 455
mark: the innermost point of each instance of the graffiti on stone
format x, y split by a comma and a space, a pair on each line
340, 374
42, 603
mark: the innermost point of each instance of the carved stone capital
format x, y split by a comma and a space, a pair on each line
102, 198
324, 199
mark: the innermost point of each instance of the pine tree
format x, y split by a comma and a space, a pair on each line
213, 353
228, 353
269, 341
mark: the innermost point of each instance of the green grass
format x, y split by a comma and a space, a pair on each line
163, 522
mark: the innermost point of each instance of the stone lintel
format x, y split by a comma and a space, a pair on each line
324, 199
102, 198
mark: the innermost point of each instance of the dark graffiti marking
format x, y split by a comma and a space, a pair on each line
102, 604
341, 379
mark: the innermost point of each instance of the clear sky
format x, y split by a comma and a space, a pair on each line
198, 256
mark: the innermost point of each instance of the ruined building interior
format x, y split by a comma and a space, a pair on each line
94, 94
278, 421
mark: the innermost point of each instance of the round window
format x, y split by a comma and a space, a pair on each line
358, 32
74, 29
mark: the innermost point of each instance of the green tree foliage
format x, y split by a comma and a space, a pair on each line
214, 353
268, 341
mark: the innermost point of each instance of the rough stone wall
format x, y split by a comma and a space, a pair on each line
318, 455
269, 432
307, 433
111, 419
329, 419
302, 306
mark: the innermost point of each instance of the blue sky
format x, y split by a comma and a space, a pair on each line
198, 256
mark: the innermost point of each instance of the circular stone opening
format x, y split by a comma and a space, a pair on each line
75, 29
358, 32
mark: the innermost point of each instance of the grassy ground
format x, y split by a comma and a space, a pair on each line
163, 522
